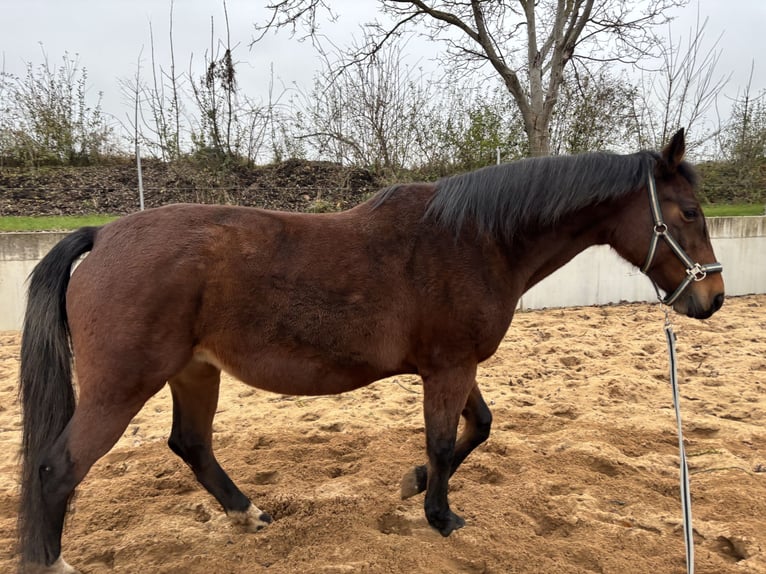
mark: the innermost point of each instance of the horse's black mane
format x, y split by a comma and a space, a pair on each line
535, 192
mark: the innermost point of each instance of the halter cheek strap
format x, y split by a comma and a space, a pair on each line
694, 271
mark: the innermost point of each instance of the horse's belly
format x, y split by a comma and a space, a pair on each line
293, 373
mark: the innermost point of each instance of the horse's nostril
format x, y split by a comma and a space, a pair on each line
718, 301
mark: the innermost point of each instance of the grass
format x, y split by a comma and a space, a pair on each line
733, 209
69, 222
52, 222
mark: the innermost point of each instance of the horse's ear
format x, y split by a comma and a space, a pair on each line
673, 153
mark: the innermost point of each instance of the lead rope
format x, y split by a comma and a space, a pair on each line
686, 501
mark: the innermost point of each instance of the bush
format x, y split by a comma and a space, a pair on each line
733, 181
46, 120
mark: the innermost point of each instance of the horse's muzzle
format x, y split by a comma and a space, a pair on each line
697, 311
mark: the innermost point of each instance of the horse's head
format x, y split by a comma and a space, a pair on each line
670, 239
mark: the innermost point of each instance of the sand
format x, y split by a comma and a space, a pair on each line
580, 474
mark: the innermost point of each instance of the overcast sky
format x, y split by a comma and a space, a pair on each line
108, 36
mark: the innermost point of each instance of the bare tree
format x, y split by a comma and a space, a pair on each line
212, 92
163, 99
528, 44
230, 126
387, 116
201, 111
680, 92
132, 90
369, 114
594, 112
174, 87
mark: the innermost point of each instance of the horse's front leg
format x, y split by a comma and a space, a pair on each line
444, 395
478, 421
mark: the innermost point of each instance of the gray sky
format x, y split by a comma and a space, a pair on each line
108, 36
740, 26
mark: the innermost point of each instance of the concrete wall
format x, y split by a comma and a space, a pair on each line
19, 253
595, 277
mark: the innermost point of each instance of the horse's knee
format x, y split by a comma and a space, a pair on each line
177, 441
483, 424
178, 444
192, 451
191, 433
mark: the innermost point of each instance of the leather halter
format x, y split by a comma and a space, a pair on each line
694, 271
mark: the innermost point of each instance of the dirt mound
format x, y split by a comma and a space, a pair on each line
580, 474
293, 185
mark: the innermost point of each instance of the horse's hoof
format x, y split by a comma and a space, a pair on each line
252, 519
448, 525
60, 566
63, 567
414, 482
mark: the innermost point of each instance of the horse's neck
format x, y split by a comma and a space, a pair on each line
537, 256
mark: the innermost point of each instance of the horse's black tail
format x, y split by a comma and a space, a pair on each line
45, 381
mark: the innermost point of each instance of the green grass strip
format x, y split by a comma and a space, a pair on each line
52, 222
733, 209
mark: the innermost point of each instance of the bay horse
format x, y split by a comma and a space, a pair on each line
422, 278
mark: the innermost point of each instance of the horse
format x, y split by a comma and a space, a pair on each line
421, 278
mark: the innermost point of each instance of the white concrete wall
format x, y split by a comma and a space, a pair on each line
19, 253
595, 277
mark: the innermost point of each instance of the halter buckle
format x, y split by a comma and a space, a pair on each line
660, 228
697, 273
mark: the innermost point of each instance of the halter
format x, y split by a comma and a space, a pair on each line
694, 271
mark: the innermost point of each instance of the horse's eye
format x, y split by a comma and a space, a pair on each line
690, 214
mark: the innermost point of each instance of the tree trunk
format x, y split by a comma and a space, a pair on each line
539, 139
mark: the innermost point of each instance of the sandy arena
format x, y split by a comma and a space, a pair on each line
580, 474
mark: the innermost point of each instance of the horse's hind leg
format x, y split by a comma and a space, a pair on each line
478, 421
195, 397
96, 425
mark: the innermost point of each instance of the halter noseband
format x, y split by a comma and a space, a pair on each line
694, 271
